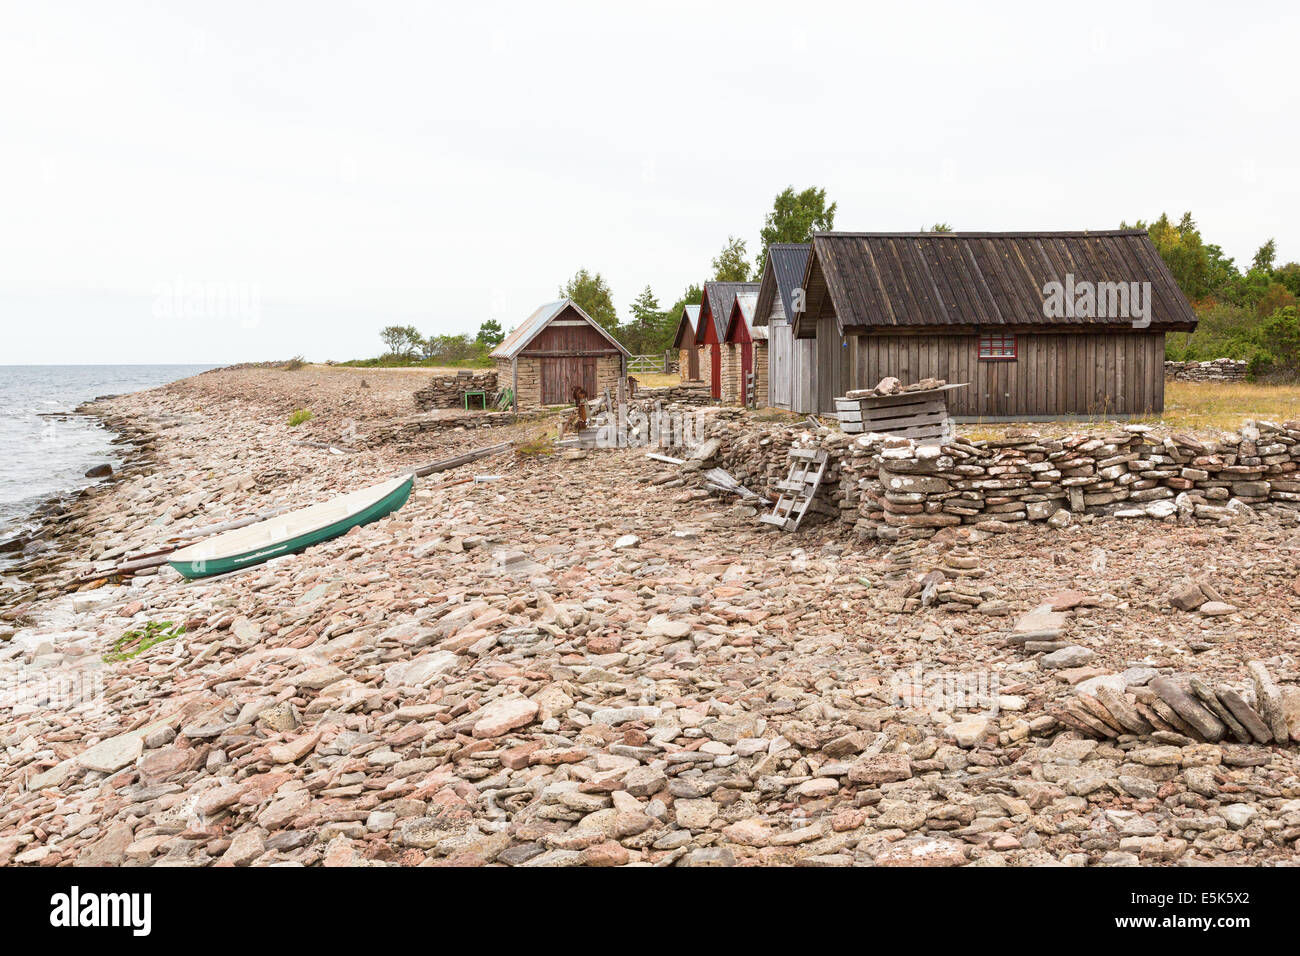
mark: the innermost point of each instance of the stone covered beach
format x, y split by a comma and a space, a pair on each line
590, 660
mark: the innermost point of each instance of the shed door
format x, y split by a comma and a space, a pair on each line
746, 366
715, 370
694, 366
561, 374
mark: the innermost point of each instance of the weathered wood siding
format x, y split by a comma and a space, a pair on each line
792, 364
833, 366
1084, 374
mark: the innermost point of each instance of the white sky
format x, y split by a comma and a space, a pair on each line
359, 164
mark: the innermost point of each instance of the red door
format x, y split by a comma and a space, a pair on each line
715, 372
746, 366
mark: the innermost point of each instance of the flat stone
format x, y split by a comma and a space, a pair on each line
502, 716
1190, 709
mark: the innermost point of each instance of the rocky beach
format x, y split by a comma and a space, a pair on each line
582, 657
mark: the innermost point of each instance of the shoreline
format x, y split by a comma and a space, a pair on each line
589, 660
60, 514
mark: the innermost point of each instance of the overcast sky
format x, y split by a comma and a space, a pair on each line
333, 167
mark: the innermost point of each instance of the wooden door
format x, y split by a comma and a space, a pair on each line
561, 374
746, 366
715, 371
694, 366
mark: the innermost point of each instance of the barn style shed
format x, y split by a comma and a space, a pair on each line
791, 362
1043, 325
688, 365
557, 347
711, 328
744, 355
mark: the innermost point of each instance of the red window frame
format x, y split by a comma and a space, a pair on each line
997, 347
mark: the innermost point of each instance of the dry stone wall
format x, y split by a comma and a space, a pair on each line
445, 391
1218, 370
892, 488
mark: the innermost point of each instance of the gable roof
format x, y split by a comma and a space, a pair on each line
742, 310
875, 280
782, 274
514, 343
690, 319
720, 296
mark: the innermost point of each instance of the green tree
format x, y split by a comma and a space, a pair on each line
1263, 261
591, 293
794, 218
939, 227
730, 264
490, 334
1280, 337
1183, 251
642, 335
402, 340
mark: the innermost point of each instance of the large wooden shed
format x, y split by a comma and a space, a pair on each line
711, 329
557, 347
688, 353
791, 362
1043, 326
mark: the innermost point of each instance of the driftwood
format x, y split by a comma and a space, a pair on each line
446, 463
718, 480
666, 459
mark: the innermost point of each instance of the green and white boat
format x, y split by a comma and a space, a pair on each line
291, 532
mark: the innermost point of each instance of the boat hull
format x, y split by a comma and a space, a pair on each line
383, 507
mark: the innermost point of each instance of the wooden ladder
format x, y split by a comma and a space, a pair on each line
807, 466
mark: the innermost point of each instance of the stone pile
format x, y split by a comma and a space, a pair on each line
1218, 370
683, 393
892, 386
447, 391
1142, 702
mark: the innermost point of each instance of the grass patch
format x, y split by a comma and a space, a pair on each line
537, 445
1227, 404
136, 641
656, 379
1189, 406
294, 364
299, 416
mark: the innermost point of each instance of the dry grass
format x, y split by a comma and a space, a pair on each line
656, 379
1189, 406
1216, 405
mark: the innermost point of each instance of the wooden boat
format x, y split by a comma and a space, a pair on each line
290, 532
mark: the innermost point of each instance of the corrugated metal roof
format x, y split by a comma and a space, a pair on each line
513, 343
747, 303
978, 279
721, 295
782, 274
690, 319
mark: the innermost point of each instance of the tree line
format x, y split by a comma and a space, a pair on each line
1245, 312
1249, 312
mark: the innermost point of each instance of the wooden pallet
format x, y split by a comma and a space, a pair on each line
919, 415
807, 466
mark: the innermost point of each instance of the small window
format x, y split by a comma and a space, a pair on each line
998, 348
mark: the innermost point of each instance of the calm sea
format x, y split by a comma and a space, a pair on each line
46, 450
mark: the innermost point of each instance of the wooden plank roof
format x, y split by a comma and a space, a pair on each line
877, 280
515, 342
